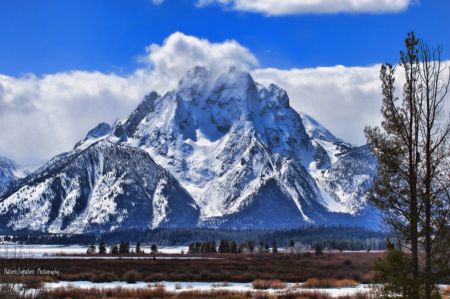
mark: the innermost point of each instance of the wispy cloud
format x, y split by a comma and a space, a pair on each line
292, 7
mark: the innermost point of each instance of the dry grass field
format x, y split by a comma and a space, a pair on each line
229, 267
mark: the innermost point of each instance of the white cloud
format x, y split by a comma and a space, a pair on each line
42, 117
180, 52
288, 7
343, 99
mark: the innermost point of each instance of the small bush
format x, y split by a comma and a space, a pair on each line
131, 276
261, 284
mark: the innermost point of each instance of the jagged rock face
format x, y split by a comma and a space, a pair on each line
99, 188
347, 180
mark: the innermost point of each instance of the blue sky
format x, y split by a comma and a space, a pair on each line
67, 65
45, 37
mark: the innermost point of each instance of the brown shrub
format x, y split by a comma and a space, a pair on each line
314, 283
277, 284
260, 284
131, 276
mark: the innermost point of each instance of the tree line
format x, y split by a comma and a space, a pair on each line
187, 235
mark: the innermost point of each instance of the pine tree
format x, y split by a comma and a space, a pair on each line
213, 247
122, 248
198, 247
319, 251
222, 246
234, 247
154, 248
138, 247
102, 248
251, 246
267, 248
114, 249
274, 247
191, 248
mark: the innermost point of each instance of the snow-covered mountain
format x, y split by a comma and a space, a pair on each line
100, 188
240, 151
11, 170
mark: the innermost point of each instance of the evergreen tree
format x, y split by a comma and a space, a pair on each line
191, 248
208, 247
138, 247
198, 247
234, 247
267, 248
102, 248
127, 247
154, 248
222, 246
122, 248
213, 247
274, 247
114, 249
203, 248
251, 246
227, 246
319, 251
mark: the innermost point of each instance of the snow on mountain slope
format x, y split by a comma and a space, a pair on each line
347, 180
316, 130
96, 189
10, 170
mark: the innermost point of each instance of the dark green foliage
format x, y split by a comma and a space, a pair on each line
138, 247
114, 249
102, 248
274, 247
319, 251
154, 248
393, 270
234, 247
213, 247
191, 248
124, 247
198, 247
